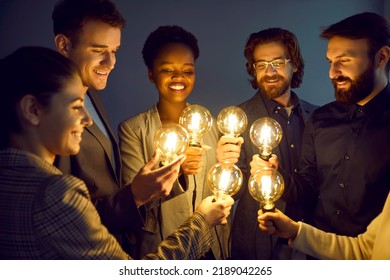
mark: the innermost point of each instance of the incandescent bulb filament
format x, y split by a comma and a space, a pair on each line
265, 135
266, 183
232, 124
170, 143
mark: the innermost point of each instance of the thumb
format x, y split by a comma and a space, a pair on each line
153, 161
206, 147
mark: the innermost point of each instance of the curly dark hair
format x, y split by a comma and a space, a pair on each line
164, 35
282, 36
370, 26
69, 16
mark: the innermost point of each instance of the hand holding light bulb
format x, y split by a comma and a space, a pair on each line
277, 223
258, 163
225, 178
215, 212
232, 122
194, 160
151, 184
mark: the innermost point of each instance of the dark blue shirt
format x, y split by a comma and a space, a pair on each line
289, 148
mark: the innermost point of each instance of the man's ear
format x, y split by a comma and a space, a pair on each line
30, 109
63, 44
383, 56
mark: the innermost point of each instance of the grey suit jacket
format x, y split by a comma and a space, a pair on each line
47, 215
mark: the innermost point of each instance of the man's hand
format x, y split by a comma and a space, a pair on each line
228, 149
258, 163
277, 223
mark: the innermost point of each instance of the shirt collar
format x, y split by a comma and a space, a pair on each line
378, 104
273, 106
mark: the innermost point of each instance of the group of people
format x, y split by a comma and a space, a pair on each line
69, 190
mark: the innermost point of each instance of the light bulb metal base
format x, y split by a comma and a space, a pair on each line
268, 208
195, 144
265, 157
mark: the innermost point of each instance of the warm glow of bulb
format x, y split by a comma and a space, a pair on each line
197, 120
195, 123
224, 180
232, 121
265, 135
170, 142
266, 189
266, 186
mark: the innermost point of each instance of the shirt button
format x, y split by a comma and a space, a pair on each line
338, 212
295, 170
292, 146
346, 157
341, 185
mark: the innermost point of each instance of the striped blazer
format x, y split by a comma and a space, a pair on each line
47, 215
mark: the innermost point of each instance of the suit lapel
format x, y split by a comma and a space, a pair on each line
110, 146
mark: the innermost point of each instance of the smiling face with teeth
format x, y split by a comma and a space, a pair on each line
94, 52
273, 82
173, 73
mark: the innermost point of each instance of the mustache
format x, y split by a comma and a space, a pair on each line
268, 79
341, 79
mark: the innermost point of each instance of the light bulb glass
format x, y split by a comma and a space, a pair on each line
170, 141
266, 134
224, 180
232, 121
197, 120
266, 186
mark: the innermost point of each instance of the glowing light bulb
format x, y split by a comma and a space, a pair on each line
232, 121
224, 180
197, 120
170, 141
265, 133
266, 186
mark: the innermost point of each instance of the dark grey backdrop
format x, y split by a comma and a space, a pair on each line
221, 26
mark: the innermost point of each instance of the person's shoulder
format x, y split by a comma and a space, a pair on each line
59, 186
250, 101
137, 120
308, 105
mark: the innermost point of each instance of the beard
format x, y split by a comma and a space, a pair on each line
273, 91
358, 90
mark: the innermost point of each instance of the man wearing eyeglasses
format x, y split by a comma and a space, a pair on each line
275, 65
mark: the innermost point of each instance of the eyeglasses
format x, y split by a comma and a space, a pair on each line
276, 64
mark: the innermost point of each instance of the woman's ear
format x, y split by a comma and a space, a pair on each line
30, 109
150, 75
63, 44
